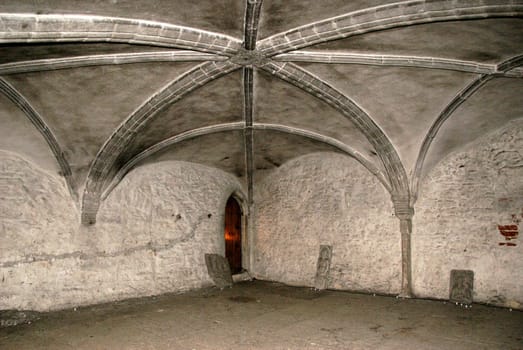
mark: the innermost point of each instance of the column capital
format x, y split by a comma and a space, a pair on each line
402, 208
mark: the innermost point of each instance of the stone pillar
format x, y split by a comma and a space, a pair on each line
404, 213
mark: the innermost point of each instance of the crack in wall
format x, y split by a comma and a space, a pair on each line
150, 246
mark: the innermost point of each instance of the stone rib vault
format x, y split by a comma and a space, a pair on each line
396, 86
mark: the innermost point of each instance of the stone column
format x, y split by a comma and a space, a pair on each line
404, 213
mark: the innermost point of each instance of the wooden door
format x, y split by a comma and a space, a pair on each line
233, 235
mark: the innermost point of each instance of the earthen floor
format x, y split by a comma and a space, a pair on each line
264, 315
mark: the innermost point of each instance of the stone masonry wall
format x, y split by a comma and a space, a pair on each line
326, 199
468, 216
151, 235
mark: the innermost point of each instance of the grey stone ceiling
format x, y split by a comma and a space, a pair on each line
92, 89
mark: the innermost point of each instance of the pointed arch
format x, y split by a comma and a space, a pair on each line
457, 101
105, 160
240, 126
301, 78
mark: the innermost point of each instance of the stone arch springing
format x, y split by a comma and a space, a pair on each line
394, 169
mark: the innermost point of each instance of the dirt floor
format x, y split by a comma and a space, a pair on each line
264, 315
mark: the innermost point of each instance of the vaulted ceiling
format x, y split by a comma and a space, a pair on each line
92, 89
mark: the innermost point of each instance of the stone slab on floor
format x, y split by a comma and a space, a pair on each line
219, 270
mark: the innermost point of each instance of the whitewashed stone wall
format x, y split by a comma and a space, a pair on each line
150, 238
461, 204
330, 199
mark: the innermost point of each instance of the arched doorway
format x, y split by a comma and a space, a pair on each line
233, 235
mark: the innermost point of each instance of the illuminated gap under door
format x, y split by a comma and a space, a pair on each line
233, 235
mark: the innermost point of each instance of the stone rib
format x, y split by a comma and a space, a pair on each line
511, 64
386, 17
250, 34
33, 28
386, 60
252, 17
23, 104
248, 136
335, 57
248, 94
125, 133
315, 86
111, 59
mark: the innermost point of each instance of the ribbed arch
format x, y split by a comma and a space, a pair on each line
301, 78
39, 123
454, 104
191, 134
105, 160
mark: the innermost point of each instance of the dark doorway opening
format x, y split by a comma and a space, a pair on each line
233, 235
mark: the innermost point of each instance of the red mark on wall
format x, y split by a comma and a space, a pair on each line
510, 232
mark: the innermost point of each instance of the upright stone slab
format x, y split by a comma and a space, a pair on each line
461, 286
322, 267
219, 270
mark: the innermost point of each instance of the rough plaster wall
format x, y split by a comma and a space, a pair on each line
461, 204
326, 198
151, 236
